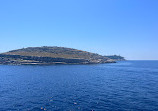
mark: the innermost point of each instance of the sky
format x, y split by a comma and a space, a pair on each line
124, 27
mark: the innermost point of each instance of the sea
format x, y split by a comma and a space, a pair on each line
121, 86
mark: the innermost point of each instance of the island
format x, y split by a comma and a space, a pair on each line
54, 55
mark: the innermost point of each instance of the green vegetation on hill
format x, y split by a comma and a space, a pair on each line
116, 57
55, 52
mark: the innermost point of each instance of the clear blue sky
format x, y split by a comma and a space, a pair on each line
125, 27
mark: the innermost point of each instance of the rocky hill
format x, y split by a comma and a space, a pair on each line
116, 57
52, 55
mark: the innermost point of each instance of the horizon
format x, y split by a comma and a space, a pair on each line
124, 27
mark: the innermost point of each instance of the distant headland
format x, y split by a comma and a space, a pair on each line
54, 55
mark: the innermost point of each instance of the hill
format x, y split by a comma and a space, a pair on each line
52, 55
116, 57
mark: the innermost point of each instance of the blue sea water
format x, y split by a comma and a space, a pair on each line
122, 86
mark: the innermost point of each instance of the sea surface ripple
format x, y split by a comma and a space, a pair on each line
122, 86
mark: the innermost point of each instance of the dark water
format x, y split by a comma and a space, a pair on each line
124, 86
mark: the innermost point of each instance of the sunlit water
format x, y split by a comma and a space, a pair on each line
122, 86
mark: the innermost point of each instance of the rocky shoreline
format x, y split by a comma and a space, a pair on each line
32, 60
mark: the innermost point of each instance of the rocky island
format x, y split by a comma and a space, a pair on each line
53, 55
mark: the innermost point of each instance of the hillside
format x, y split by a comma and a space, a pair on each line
116, 57
52, 55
